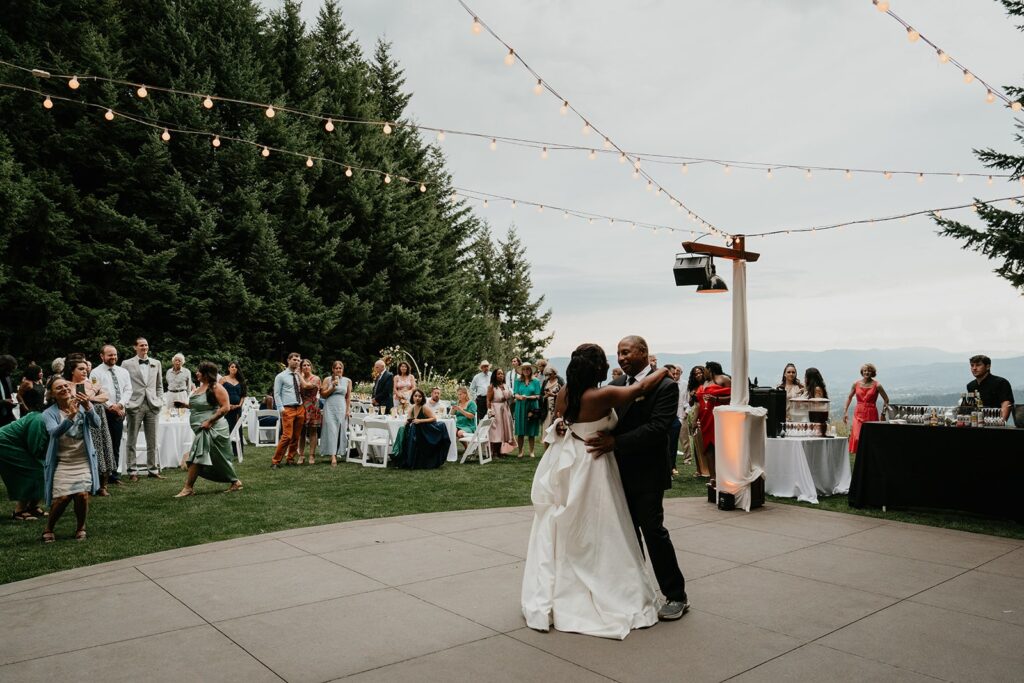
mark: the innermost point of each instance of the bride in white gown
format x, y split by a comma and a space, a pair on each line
584, 569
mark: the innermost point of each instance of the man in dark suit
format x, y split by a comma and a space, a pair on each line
640, 443
383, 387
8, 395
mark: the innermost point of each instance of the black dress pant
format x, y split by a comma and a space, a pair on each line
648, 515
115, 424
481, 407
673, 441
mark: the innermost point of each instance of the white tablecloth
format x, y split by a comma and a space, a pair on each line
803, 468
395, 423
174, 437
739, 450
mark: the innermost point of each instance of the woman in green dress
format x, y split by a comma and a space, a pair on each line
526, 413
464, 411
22, 453
210, 456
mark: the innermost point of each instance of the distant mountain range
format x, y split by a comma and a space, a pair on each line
908, 374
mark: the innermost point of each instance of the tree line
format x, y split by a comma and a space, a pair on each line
108, 232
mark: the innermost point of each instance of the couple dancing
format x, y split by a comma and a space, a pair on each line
599, 487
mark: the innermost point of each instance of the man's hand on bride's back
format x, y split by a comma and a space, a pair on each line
600, 443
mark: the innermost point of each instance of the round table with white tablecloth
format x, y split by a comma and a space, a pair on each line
395, 423
174, 439
804, 468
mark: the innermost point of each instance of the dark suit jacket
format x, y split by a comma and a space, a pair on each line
384, 390
6, 409
641, 439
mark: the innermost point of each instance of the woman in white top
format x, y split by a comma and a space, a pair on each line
179, 382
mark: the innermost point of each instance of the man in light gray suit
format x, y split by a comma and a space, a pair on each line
144, 406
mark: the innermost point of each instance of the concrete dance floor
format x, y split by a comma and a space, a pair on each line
782, 593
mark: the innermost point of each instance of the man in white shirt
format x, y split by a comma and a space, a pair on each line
144, 407
434, 401
288, 397
118, 385
512, 375
478, 387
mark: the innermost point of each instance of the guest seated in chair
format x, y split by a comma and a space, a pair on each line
434, 402
464, 411
422, 443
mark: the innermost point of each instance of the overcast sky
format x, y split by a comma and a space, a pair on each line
830, 83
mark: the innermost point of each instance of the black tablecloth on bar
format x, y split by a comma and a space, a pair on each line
957, 468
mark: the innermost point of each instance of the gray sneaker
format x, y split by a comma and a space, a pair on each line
673, 609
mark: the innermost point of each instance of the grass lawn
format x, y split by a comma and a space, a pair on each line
144, 517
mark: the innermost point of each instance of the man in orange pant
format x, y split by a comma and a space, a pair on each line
288, 398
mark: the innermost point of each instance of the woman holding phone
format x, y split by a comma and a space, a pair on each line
76, 371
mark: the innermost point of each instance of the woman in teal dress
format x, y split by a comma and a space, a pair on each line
210, 456
22, 452
464, 411
526, 413
336, 392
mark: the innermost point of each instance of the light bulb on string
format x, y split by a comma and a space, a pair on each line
265, 152
348, 174
142, 92
808, 175
636, 173
510, 58
477, 27
73, 83
514, 204
109, 115
270, 112
423, 188
769, 175
636, 163
216, 141
592, 155
539, 88
920, 177
959, 178
938, 214
685, 168
540, 208
882, 5
888, 175
544, 153
990, 97
586, 128
607, 143
848, 175
166, 135
47, 103
657, 192
590, 221
329, 126
968, 76
650, 186
974, 208
912, 35
494, 144
727, 170
1015, 105
632, 226
622, 157
309, 162
387, 178
565, 216
564, 109
440, 136
387, 129
207, 102
486, 204
989, 181
943, 57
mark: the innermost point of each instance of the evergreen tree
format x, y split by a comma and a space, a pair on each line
509, 294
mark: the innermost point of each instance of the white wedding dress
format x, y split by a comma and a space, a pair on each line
584, 571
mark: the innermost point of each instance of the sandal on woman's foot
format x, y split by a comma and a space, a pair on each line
185, 493
48, 537
311, 460
23, 516
533, 455
103, 492
235, 486
80, 535
334, 462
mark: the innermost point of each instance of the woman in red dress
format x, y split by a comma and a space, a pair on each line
309, 389
716, 391
867, 391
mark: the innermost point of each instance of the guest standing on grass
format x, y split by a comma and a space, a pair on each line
383, 397
309, 386
210, 455
144, 407
179, 381
118, 386
478, 387
814, 384
502, 436
527, 409
234, 384
77, 370
336, 391
23, 445
70, 471
867, 391
403, 386
288, 399
31, 381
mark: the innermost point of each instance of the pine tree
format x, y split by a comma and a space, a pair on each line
509, 296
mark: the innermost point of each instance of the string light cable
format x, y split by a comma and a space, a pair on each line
543, 85
217, 139
913, 35
683, 161
935, 212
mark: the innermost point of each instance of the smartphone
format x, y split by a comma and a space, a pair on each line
80, 389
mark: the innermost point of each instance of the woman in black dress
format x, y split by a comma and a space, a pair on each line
234, 384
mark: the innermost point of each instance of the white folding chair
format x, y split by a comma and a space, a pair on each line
236, 439
356, 438
250, 406
478, 442
267, 434
377, 436
358, 407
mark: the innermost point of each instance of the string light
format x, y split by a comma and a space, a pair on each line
727, 170
73, 83
685, 168
387, 179
959, 178
848, 175
486, 203
348, 173
540, 209
494, 144
622, 157
47, 103
769, 175
1015, 105
912, 35
989, 181
440, 136
208, 102
513, 203
423, 188
607, 143
968, 76
387, 129
142, 92
592, 155
476, 26
539, 88
216, 141
920, 177
650, 186
270, 112
265, 152
990, 97
943, 57
544, 153
564, 109
510, 58
882, 5
309, 162
166, 135
808, 175
109, 116
329, 126
565, 216
586, 128
888, 175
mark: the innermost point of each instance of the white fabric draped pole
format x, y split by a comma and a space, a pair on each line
740, 385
